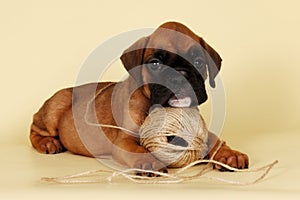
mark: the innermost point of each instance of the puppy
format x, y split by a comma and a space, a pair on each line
167, 68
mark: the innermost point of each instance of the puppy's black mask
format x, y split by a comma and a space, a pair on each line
176, 81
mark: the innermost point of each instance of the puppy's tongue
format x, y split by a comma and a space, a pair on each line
180, 102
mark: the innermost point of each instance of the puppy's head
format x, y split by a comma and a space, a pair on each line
172, 65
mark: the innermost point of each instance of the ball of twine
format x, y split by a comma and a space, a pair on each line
175, 136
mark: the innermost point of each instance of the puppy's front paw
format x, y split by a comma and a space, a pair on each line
150, 163
232, 158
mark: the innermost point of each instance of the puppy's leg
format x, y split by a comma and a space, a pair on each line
44, 129
226, 155
128, 151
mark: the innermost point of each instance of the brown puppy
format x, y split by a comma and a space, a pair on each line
167, 68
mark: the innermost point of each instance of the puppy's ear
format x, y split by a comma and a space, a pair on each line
213, 61
133, 57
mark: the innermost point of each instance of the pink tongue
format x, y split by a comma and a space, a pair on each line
180, 102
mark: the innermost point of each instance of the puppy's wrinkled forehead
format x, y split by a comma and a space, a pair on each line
172, 37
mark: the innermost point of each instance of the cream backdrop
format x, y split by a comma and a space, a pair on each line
44, 43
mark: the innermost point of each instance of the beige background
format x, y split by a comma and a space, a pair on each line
44, 43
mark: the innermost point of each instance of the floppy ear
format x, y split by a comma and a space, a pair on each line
133, 57
213, 61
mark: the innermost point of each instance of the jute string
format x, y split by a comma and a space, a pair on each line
96, 176
153, 135
187, 130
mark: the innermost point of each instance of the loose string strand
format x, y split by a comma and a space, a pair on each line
69, 178
98, 124
164, 177
269, 167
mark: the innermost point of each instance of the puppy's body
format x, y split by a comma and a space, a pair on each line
171, 69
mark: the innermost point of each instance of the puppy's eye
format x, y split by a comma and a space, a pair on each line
155, 64
198, 62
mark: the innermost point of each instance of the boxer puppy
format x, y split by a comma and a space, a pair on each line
167, 68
